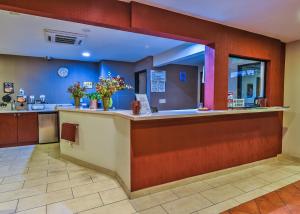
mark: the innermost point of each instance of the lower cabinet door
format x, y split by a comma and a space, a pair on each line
28, 128
8, 130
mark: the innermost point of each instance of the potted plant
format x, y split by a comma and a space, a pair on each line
77, 92
106, 87
94, 97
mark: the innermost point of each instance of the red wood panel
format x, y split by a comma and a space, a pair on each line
107, 13
28, 128
173, 149
8, 130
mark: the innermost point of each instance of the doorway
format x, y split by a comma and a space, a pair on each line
141, 82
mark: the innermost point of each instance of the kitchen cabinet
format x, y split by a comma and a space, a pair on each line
17, 129
8, 129
27, 128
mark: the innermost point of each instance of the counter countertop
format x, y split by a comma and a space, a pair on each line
171, 113
26, 111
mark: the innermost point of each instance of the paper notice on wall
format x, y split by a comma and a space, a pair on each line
158, 81
145, 107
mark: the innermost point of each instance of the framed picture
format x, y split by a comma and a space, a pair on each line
8, 87
88, 85
158, 81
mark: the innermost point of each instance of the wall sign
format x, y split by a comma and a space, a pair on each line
8, 87
145, 107
158, 81
182, 76
88, 85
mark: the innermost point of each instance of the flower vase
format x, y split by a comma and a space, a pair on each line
106, 103
93, 104
77, 102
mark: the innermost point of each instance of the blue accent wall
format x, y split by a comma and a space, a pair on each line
38, 76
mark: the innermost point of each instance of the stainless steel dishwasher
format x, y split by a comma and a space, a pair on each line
48, 127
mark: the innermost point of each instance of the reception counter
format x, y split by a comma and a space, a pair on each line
150, 150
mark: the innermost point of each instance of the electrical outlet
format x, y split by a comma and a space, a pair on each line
162, 101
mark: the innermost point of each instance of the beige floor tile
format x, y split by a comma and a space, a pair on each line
57, 172
189, 189
219, 181
222, 193
274, 175
113, 195
250, 195
46, 180
8, 207
220, 207
94, 187
22, 193
188, 204
44, 199
11, 186
68, 184
154, 210
80, 173
98, 177
291, 179
38, 210
261, 169
164, 196
122, 207
242, 174
183, 191
250, 184
23, 177
275, 185
75, 205
153, 200
143, 203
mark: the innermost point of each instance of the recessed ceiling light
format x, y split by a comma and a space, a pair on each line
86, 54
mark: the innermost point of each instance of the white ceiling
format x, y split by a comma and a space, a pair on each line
274, 18
24, 35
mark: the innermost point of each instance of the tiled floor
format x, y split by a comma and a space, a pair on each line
283, 201
34, 179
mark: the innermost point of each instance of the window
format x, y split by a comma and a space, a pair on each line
246, 79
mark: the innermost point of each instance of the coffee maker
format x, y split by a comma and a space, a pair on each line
21, 100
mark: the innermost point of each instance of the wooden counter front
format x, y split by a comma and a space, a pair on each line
168, 150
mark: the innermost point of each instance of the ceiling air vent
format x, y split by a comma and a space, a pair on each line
62, 37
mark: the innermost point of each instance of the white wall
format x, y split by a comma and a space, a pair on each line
291, 133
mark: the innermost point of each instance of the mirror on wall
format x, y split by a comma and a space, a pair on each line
34, 50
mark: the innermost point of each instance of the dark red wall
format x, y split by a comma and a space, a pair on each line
146, 19
171, 149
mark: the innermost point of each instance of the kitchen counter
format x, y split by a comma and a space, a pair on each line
48, 108
26, 111
170, 114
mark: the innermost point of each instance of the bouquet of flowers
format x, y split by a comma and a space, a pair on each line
106, 87
76, 90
